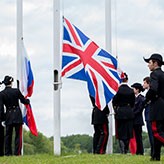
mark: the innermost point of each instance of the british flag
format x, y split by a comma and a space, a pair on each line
84, 60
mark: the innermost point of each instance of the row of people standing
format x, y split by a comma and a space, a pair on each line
129, 104
154, 105
10, 118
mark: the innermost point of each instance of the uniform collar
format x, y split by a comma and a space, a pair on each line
137, 95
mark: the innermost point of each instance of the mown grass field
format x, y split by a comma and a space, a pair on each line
79, 159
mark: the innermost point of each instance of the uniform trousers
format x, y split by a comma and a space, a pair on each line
158, 133
150, 134
124, 132
138, 136
1, 140
100, 138
18, 139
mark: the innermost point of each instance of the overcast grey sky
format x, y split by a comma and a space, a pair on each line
137, 31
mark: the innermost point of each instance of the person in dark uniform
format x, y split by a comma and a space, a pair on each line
9, 98
101, 130
123, 103
2, 118
146, 85
138, 118
155, 96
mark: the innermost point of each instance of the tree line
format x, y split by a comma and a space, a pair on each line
73, 144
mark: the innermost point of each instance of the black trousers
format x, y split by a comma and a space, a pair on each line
100, 138
150, 134
138, 136
124, 146
158, 133
18, 139
1, 140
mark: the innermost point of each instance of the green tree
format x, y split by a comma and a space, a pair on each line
69, 144
84, 141
37, 145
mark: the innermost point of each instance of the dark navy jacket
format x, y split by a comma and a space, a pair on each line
98, 116
9, 98
123, 102
156, 95
138, 109
147, 112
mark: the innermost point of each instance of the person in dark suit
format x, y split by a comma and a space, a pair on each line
123, 103
155, 96
146, 85
9, 97
2, 118
101, 130
138, 118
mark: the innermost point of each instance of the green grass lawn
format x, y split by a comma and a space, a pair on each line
79, 159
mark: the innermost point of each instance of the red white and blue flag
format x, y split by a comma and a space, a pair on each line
27, 78
26, 86
84, 60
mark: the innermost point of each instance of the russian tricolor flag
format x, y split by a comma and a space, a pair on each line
30, 78
27, 83
27, 78
29, 120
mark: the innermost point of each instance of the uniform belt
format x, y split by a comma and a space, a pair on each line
124, 105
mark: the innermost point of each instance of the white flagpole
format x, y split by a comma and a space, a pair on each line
19, 36
57, 51
19, 45
108, 34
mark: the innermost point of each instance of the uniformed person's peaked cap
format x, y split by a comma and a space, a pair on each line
155, 57
8, 80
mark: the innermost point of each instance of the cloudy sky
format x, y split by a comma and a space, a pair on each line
137, 31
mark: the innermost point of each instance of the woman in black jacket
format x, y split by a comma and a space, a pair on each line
123, 103
138, 118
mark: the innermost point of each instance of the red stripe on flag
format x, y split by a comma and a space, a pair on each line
64, 71
72, 32
97, 100
109, 65
31, 121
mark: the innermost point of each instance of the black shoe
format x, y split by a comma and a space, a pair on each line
155, 159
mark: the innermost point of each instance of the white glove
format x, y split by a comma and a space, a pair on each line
3, 123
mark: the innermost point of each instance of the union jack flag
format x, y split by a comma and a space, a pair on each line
84, 60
